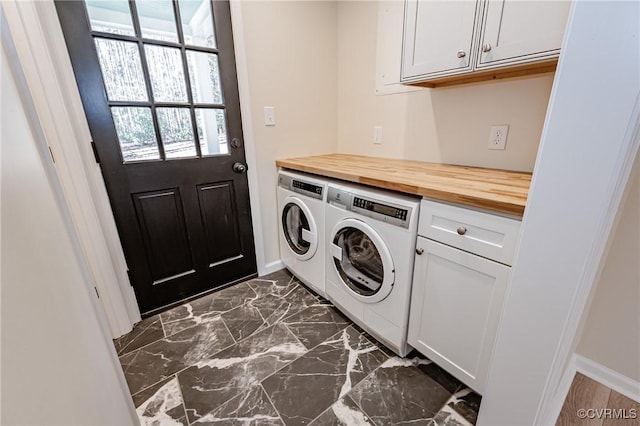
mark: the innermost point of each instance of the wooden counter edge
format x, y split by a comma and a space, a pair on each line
516, 209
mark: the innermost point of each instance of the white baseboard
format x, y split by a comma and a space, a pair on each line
608, 377
598, 372
270, 267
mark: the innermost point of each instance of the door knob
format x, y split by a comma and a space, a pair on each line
486, 47
462, 230
461, 53
239, 168
419, 250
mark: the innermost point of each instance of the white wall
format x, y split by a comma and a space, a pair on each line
58, 366
449, 125
611, 334
292, 66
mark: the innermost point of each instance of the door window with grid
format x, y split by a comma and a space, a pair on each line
159, 62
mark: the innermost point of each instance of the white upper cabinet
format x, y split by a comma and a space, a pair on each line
438, 37
472, 40
521, 31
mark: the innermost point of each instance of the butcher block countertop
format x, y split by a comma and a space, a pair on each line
498, 190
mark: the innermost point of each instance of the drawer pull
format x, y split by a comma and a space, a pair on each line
462, 230
419, 251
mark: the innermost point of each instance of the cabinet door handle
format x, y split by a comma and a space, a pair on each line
461, 53
462, 230
419, 251
486, 47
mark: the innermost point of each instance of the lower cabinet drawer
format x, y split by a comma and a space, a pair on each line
456, 304
485, 234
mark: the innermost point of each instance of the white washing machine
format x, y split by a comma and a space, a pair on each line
301, 206
371, 243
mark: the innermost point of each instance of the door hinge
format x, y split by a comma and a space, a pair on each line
95, 152
51, 152
97, 292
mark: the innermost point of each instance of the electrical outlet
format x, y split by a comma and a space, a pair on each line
498, 136
377, 135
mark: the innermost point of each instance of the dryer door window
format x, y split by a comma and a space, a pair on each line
362, 261
299, 229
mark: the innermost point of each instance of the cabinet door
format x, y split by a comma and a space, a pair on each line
438, 37
455, 309
515, 31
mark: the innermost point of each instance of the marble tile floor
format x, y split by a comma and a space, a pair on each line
270, 352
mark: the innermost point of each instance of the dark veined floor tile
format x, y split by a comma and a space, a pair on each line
249, 408
163, 358
345, 412
315, 324
201, 310
214, 381
399, 392
302, 390
146, 331
161, 404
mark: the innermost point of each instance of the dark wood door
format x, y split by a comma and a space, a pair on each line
158, 84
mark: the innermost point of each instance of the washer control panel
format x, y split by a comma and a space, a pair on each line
300, 186
370, 207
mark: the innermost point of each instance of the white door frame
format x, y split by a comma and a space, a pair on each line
51, 84
589, 142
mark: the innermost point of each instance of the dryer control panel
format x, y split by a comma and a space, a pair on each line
370, 207
300, 186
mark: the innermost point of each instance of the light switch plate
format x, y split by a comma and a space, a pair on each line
269, 116
377, 135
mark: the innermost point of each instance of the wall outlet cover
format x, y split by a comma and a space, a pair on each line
498, 136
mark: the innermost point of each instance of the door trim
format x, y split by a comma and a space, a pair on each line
255, 200
51, 84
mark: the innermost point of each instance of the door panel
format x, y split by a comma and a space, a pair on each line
164, 233
219, 218
161, 101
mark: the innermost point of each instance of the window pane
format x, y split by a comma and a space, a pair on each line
204, 76
157, 20
110, 16
197, 23
176, 132
121, 70
135, 133
212, 131
167, 76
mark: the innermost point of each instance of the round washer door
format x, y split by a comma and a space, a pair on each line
362, 260
299, 228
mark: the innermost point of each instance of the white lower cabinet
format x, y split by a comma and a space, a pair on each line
456, 303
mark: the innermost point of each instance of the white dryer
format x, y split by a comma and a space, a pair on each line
301, 206
371, 241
